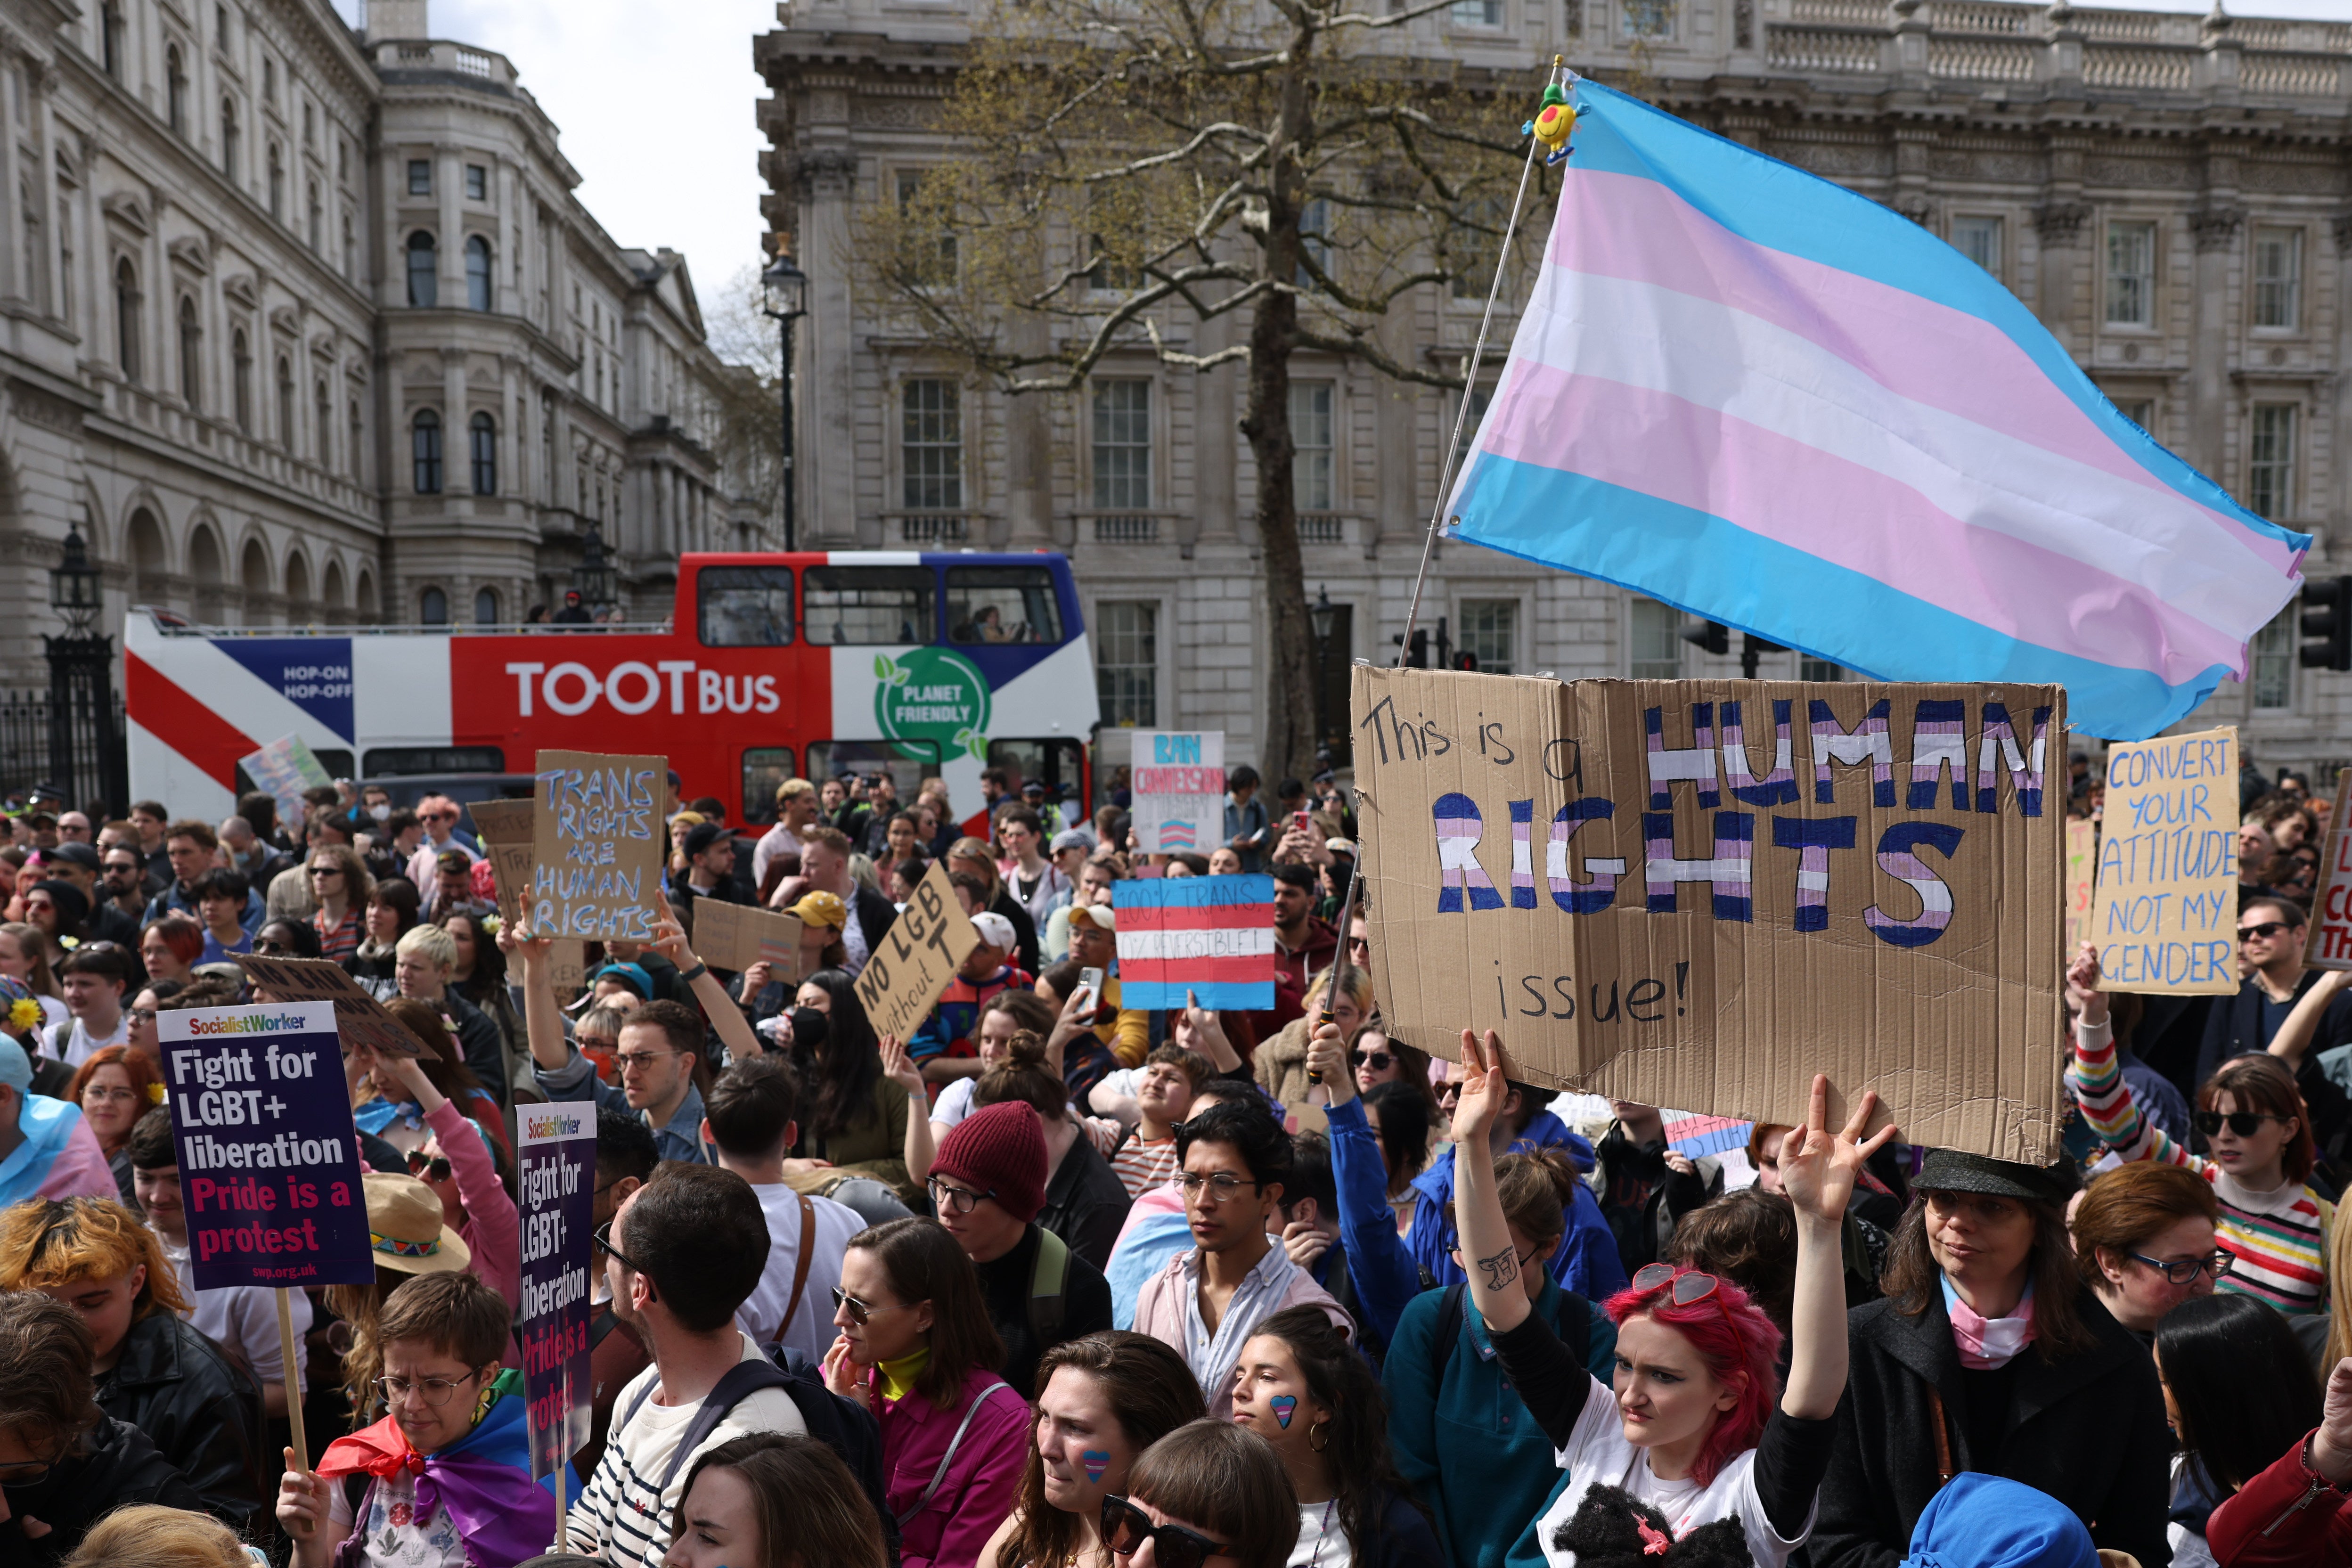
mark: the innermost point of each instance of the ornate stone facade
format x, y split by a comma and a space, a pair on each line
2169, 193
246, 254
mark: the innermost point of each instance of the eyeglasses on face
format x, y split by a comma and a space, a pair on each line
962, 1200
1215, 1188
140, 1014
1379, 1060
30, 1473
1125, 1529
2262, 930
2241, 1122
2181, 1270
98, 1092
602, 1237
436, 1391
436, 816
635, 1062
434, 1168
861, 1313
326, 870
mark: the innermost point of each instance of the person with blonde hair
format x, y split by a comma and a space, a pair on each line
154, 1370
150, 1535
425, 961
1281, 1062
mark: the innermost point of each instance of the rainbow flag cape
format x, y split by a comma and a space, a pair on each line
1766, 400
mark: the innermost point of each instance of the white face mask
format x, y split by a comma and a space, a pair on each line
381, 811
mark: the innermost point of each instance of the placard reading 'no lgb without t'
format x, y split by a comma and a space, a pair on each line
596, 846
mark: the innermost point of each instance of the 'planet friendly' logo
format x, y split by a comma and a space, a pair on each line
933, 694
1283, 1404
1096, 1460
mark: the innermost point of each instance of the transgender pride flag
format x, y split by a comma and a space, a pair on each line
1772, 402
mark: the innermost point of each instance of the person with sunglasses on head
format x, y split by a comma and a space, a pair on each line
915, 1349
1208, 1495
1702, 1436
2258, 1151
1990, 1353
1303, 1389
65, 1464
1233, 1167
444, 1481
2144, 1240
1101, 1402
682, 1253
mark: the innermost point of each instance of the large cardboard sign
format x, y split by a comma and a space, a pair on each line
596, 846
2082, 878
557, 1150
261, 1125
1212, 935
913, 963
1178, 785
282, 770
508, 833
2330, 944
1700, 893
736, 937
2165, 918
362, 1020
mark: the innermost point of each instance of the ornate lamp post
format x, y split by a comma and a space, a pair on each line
594, 576
86, 752
784, 297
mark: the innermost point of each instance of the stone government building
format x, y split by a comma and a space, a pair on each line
300, 325
2169, 192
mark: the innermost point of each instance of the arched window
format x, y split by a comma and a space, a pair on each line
242, 357
477, 274
323, 432
486, 606
228, 137
277, 183
425, 445
482, 433
433, 607
423, 284
192, 346
285, 403
175, 83
126, 317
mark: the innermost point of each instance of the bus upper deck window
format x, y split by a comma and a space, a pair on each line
745, 607
873, 605
1002, 605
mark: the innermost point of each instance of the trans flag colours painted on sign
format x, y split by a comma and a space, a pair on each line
1765, 399
1211, 935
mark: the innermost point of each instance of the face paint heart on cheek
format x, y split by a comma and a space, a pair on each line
1282, 1406
1097, 1461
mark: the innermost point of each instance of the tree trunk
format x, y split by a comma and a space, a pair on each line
1290, 739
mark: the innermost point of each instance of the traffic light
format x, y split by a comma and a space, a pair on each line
2328, 624
1416, 653
1713, 637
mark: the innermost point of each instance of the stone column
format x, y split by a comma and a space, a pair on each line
2217, 227
824, 449
2060, 224
448, 194
12, 227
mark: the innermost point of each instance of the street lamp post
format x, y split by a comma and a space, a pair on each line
594, 576
1319, 615
784, 297
86, 750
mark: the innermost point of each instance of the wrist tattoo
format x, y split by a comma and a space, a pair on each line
1502, 1268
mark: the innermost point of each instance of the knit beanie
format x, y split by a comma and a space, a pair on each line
998, 1150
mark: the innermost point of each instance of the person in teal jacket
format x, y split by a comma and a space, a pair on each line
1461, 1436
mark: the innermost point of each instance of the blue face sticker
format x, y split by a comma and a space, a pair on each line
1096, 1461
1282, 1406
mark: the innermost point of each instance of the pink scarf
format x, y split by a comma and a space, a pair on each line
1988, 1343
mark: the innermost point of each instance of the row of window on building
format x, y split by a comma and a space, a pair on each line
2274, 297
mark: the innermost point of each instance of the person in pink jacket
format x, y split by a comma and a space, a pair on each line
917, 1348
1233, 1161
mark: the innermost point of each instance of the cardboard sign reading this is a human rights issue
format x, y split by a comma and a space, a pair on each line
1700, 893
2165, 918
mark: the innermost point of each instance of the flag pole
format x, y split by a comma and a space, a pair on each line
1470, 381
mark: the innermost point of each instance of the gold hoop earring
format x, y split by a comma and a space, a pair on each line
1323, 1427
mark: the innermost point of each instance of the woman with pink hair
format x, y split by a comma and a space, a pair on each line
1699, 1437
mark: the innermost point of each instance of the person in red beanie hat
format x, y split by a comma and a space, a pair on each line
987, 1184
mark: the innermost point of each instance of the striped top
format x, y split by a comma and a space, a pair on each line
1141, 1166
2277, 1241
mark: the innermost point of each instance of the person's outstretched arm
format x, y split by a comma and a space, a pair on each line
2294, 1036
1386, 1277
743, 1044
2097, 1077
1818, 1171
543, 1020
899, 1069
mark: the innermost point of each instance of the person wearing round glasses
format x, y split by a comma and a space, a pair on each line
1702, 1435
1208, 1495
2144, 1241
916, 1347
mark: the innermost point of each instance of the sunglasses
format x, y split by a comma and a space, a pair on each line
435, 1169
1689, 1287
2241, 1122
2267, 929
1125, 1529
1380, 1059
860, 1312
602, 1237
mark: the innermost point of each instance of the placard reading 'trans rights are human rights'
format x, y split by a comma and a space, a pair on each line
596, 846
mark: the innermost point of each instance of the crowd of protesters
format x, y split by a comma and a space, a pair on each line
1057, 1282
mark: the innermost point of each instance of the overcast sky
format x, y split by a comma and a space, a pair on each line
654, 105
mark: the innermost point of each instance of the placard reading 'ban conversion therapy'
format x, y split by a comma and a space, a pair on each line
261, 1125
2165, 918
556, 1145
1700, 893
1211, 936
917, 956
596, 846
1177, 781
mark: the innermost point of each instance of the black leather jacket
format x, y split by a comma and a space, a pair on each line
201, 1409
115, 1466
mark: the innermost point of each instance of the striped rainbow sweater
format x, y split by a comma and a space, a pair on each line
2277, 1241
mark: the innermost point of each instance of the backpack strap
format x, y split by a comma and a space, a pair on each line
800, 1264
1049, 1281
742, 1380
1449, 1323
940, 1475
